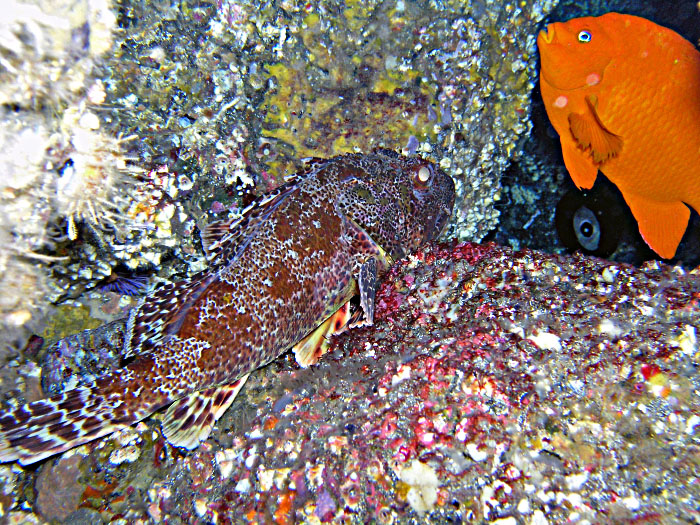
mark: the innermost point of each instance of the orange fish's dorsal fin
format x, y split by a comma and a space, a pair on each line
190, 420
579, 164
589, 132
310, 349
662, 224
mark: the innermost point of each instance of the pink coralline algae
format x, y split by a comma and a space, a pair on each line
494, 385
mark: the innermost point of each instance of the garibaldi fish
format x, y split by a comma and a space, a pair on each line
623, 93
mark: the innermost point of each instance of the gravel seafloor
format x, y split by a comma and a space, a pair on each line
495, 387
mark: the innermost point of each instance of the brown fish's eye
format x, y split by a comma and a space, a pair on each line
422, 176
584, 36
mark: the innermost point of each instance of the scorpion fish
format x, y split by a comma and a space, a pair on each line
278, 277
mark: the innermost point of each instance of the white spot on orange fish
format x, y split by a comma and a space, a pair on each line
592, 79
561, 101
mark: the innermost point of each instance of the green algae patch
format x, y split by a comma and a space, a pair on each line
67, 320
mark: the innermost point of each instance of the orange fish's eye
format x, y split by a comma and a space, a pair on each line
584, 36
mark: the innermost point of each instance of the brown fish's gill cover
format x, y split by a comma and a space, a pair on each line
623, 94
293, 259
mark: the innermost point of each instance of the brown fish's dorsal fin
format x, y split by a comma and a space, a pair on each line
387, 152
214, 231
225, 240
662, 224
309, 164
590, 133
190, 420
160, 314
310, 349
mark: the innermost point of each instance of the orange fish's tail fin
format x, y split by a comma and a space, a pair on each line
49, 426
662, 224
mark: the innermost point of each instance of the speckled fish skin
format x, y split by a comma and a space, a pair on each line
293, 259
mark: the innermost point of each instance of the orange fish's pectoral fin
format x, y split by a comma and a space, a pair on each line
310, 349
579, 165
662, 224
590, 133
190, 420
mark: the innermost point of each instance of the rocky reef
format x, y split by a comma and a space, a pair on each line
236, 95
495, 387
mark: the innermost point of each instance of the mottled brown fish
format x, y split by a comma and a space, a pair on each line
284, 269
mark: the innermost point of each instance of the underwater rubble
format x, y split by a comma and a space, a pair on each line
496, 386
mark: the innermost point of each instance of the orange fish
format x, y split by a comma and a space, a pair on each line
624, 95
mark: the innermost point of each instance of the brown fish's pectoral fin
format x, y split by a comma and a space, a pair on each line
310, 349
367, 284
190, 420
662, 224
590, 133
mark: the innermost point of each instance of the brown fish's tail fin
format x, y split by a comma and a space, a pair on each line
49, 426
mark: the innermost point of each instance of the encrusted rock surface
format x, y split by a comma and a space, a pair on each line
496, 386
237, 93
